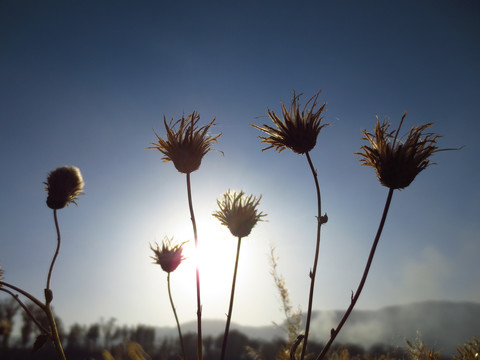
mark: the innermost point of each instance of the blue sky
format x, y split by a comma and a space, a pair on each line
85, 83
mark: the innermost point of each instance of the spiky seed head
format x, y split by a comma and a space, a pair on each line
64, 185
169, 256
297, 131
397, 162
187, 145
238, 212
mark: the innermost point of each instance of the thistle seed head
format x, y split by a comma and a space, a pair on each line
238, 212
297, 131
187, 145
169, 256
396, 162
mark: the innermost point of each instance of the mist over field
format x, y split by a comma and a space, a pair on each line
441, 325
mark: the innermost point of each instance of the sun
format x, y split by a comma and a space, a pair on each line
216, 259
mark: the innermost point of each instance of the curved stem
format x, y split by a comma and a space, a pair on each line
49, 295
56, 251
199, 304
230, 308
313, 272
26, 309
24, 293
176, 317
334, 332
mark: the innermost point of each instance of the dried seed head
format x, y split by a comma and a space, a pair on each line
397, 163
187, 145
238, 212
298, 131
1, 275
169, 256
64, 184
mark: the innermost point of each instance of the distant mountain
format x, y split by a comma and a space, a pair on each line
441, 325
217, 327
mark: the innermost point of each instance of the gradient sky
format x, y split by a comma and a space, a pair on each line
85, 83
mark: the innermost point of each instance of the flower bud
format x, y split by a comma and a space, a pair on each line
64, 184
169, 256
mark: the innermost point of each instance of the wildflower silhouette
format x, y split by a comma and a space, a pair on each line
185, 147
239, 213
169, 258
396, 164
63, 185
298, 131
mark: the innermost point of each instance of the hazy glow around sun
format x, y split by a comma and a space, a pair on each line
216, 259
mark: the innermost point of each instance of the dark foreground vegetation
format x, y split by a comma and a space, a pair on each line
106, 340
88, 344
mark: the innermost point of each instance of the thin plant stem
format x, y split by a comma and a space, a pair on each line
26, 309
57, 250
230, 307
199, 304
176, 318
24, 293
334, 332
49, 296
55, 336
313, 272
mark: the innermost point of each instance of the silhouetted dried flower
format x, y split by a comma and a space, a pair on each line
169, 256
64, 184
297, 131
187, 145
397, 163
1, 275
238, 212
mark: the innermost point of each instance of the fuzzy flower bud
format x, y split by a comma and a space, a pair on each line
64, 184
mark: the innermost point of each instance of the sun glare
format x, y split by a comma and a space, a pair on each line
216, 259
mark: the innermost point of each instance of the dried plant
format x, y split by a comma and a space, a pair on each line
63, 185
293, 318
468, 351
418, 350
298, 131
239, 213
397, 163
187, 145
169, 257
